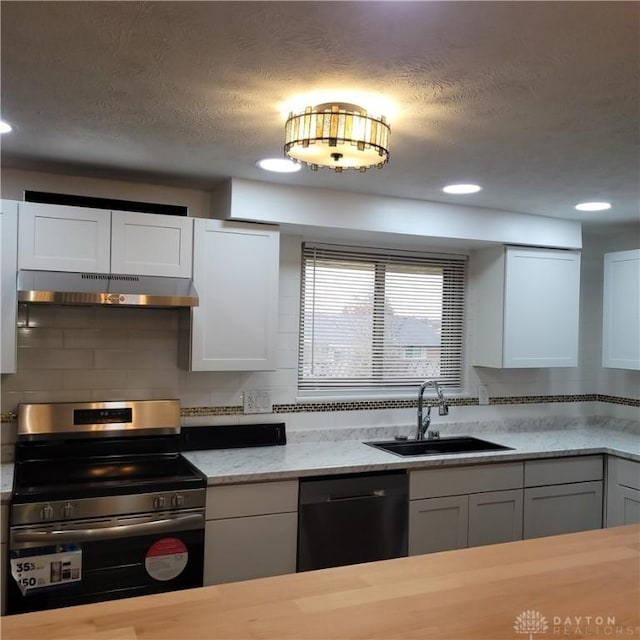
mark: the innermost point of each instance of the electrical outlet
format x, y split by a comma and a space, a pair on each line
483, 394
257, 401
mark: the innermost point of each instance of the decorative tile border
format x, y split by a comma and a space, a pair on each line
194, 412
372, 405
630, 402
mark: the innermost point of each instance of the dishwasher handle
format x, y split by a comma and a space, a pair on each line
372, 487
378, 493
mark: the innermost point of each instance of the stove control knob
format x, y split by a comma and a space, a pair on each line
46, 513
177, 501
67, 510
159, 502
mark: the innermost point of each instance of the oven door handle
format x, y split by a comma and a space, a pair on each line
178, 523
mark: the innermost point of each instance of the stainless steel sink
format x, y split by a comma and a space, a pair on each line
437, 447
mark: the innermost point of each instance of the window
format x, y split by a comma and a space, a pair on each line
376, 320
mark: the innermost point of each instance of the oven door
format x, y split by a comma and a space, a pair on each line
97, 559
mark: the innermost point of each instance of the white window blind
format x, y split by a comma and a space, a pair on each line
373, 320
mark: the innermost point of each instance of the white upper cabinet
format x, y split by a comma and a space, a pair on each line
8, 296
621, 310
150, 244
60, 238
526, 307
235, 272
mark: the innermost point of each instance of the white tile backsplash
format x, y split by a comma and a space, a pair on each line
41, 337
86, 380
125, 359
77, 338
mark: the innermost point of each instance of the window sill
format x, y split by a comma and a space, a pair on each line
371, 396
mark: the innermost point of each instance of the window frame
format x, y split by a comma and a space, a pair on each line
454, 272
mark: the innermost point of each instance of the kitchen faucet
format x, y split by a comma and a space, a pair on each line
424, 422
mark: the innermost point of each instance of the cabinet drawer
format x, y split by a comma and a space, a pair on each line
433, 483
540, 473
624, 472
239, 500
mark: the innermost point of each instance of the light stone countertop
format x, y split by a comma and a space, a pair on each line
326, 457
225, 466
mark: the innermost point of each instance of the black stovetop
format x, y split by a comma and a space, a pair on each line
60, 470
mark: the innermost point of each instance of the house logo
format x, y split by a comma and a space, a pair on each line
532, 623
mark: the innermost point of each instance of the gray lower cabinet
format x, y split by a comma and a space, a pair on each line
562, 495
251, 531
495, 517
438, 524
623, 492
456, 507
251, 547
565, 508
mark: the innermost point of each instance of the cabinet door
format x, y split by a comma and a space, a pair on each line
438, 524
57, 238
251, 547
151, 245
626, 508
621, 310
8, 293
541, 310
623, 491
495, 517
235, 272
562, 508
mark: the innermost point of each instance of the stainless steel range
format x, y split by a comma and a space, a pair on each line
104, 505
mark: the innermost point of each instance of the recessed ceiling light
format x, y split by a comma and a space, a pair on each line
462, 188
279, 165
593, 206
5, 127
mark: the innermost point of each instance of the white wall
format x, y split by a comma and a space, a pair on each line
15, 182
324, 209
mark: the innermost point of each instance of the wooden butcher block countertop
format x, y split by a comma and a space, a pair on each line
583, 585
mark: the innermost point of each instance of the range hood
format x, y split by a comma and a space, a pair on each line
62, 287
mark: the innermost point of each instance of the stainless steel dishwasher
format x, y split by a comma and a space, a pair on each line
352, 518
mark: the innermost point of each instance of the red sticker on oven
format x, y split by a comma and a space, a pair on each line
166, 559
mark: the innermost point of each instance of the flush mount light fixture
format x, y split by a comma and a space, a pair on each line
337, 135
593, 206
279, 165
5, 127
460, 189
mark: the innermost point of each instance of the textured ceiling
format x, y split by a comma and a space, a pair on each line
537, 101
